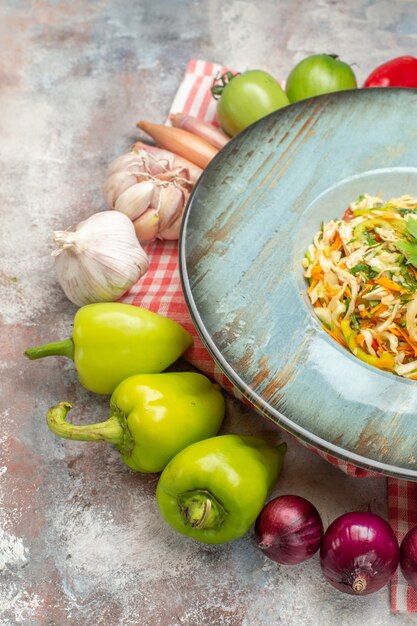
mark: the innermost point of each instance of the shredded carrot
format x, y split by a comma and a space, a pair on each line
330, 290
377, 338
367, 288
395, 331
389, 284
360, 339
408, 339
404, 347
335, 336
313, 284
317, 272
378, 309
337, 243
348, 292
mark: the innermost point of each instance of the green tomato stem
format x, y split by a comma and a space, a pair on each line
110, 431
201, 510
216, 89
56, 348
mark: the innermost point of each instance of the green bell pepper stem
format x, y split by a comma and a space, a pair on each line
111, 430
55, 348
213, 490
200, 509
152, 418
385, 361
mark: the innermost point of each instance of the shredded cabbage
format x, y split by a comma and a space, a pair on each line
363, 269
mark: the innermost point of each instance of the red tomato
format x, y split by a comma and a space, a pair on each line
399, 72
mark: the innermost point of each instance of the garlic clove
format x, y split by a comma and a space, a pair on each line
121, 162
100, 260
159, 166
116, 184
154, 203
159, 160
170, 205
179, 175
135, 162
172, 232
194, 172
135, 200
174, 160
147, 225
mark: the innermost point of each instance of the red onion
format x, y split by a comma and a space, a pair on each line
359, 553
289, 530
408, 557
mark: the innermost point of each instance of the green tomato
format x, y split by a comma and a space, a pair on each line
319, 74
247, 97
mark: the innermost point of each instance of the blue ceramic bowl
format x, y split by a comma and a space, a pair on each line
248, 223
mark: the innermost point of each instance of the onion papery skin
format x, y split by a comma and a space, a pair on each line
408, 557
289, 529
359, 553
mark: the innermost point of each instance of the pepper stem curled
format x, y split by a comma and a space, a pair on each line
201, 510
111, 430
56, 348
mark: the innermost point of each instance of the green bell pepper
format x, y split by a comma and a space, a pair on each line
152, 418
385, 361
372, 223
112, 341
214, 490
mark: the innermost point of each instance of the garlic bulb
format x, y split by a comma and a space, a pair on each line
99, 260
151, 186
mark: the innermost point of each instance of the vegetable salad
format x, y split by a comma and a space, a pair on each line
362, 274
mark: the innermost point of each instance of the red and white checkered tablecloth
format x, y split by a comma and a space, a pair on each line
160, 291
